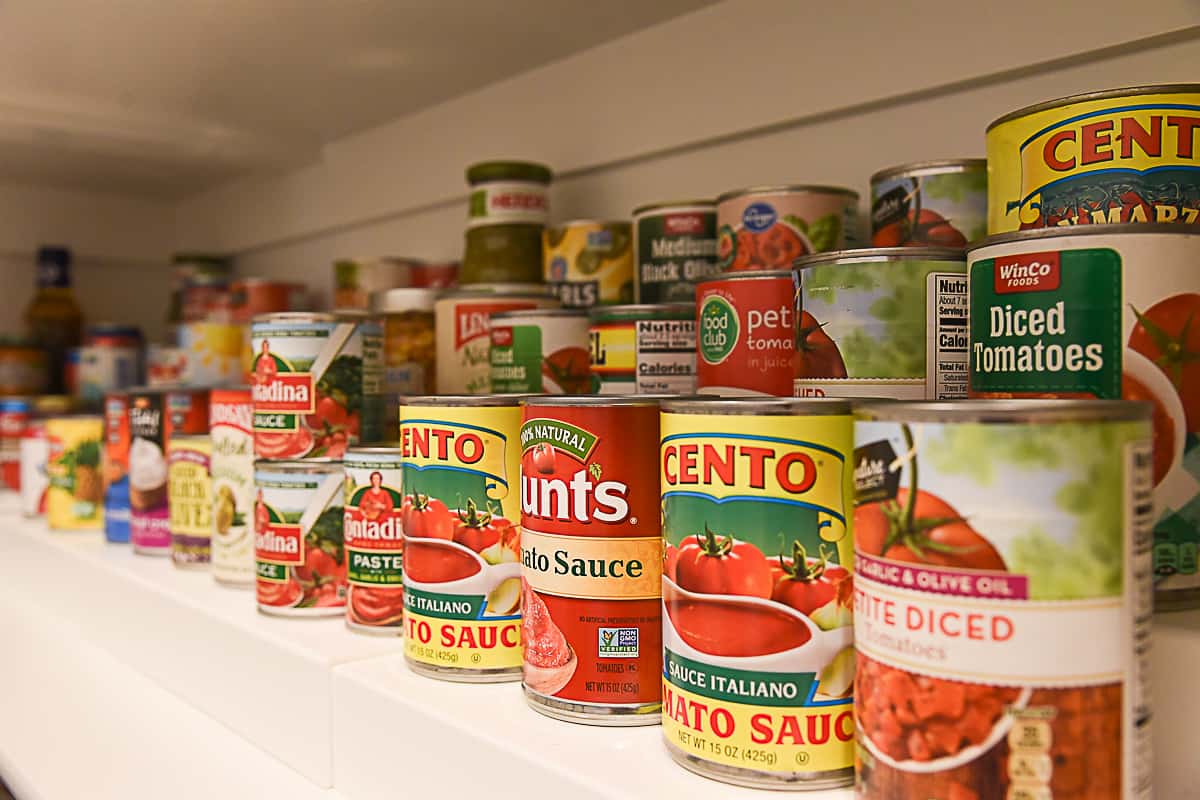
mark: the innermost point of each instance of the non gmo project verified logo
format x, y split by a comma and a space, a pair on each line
618, 643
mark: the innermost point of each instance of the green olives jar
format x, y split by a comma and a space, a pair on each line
507, 211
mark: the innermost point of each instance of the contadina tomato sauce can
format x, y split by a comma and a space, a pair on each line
591, 556
769, 227
189, 499
589, 263
643, 349
1003, 599
75, 497
675, 245
543, 351
299, 557
231, 427
1123, 155
758, 632
1110, 312
883, 322
930, 203
461, 519
115, 459
746, 333
372, 526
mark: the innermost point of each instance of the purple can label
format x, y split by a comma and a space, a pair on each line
148, 528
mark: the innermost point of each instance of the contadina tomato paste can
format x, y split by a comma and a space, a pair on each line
298, 554
941, 203
115, 459
643, 349
461, 520
591, 556
1003, 599
189, 499
589, 263
746, 333
1110, 312
316, 384
769, 227
675, 245
883, 322
1123, 155
374, 506
232, 465
757, 631
75, 497
540, 351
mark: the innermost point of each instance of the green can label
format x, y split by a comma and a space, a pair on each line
675, 248
542, 355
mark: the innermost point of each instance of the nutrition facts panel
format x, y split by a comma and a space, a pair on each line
946, 325
666, 356
1139, 499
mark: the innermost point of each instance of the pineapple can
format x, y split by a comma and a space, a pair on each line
189, 499
231, 426
75, 497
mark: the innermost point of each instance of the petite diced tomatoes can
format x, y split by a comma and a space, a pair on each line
374, 540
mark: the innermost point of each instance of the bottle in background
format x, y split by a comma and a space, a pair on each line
53, 318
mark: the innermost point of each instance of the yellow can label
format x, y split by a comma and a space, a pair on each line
75, 496
190, 499
589, 263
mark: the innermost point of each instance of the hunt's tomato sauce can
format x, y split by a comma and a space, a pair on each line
374, 540
591, 556
746, 333
757, 625
1003, 599
461, 517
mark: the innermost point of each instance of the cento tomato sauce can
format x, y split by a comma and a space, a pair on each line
589, 263
374, 539
939, 203
884, 322
591, 556
769, 227
757, 627
1122, 155
300, 562
1112, 312
1003, 599
674, 246
746, 333
190, 499
461, 520
643, 349
116, 467
75, 497
540, 351
232, 465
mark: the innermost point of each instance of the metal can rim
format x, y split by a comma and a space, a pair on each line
188, 437
1059, 231
373, 449
708, 203
298, 317
883, 254
1129, 91
523, 313
561, 400
298, 466
642, 308
584, 221
536, 290
461, 400
403, 298
762, 406
1032, 411
942, 164
744, 274
798, 188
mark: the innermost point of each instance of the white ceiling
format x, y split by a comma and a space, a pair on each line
167, 97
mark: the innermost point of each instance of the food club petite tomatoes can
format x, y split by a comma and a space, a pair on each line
374, 540
591, 556
231, 419
746, 333
769, 227
643, 349
939, 203
75, 497
882, 322
540, 351
460, 514
1003, 599
299, 558
189, 499
757, 593
1108, 311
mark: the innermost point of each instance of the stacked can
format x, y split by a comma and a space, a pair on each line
374, 544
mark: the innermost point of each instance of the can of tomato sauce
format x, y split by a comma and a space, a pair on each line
643, 349
746, 333
75, 497
1003, 599
189, 499
941, 203
232, 465
541, 351
14, 416
591, 556
882, 322
1112, 312
374, 540
461, 519
116, 467
300, 562
758, 628
769, 227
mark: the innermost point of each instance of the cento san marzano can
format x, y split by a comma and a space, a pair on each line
540, 351
189, 499
75, 496
757, 593
675, 245
643, 349
461, 519
746, 333
1003, 600
591, 556
374, 538
939, 203
231, 420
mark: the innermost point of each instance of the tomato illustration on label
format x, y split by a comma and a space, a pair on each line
817, 354
374, 539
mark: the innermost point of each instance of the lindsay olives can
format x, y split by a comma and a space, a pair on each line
231, 427
882, 322
674, 246
461, 516
757, 594
75, 497
930, 203
115, 459
1123, 155
543, 351
589, 263
769, 227
374, 538
300, 562
1002, 599
591, 557
746, 333
643, 349
189, 499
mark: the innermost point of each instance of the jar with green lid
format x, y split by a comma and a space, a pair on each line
507, 211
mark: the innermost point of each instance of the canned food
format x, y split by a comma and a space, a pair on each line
940, 203
300, 562
464, 334
212, 351
589, 263
356, 279
591, 555
75, 497
441, 275
675, 246
769, 227
409, 349
23, 369
643, 349
374, 536
1003, 599
883, 322
507, 210
250, 297
231, 420
165, 366
190, 499
316, 384
35, 451
462, 574
1122, 155
110, 360
1107, 312
756, 495
542, 351
747, 333
115, 458
201, 282
14, 417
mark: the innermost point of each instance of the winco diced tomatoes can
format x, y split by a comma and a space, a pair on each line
540, 351
591, 555
374, 540
769, 227
746, 333
189, 499
758, 631
940, 203
643, 349
1003, 599
461, 519
299, 558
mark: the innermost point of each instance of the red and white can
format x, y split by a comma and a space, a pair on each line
35, 451
746, 333
14, 417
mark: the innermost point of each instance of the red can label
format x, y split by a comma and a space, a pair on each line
374, 540
746, 335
